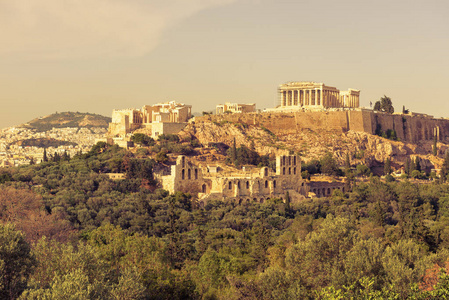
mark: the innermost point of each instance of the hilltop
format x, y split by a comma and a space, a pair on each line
279, 137
67, 119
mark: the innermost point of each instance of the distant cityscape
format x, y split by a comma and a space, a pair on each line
12, 154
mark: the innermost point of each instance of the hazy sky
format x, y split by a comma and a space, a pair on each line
94, 56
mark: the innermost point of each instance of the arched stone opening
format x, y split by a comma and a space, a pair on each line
203, 188
183, 174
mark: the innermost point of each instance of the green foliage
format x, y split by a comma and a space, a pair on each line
169, 137
133, 241
16, 262
245, 156
363, 170
312, 167
389, 178
329, 165
387, 166
389, 134
384, 104
142, 139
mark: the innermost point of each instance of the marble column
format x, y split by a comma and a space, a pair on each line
321, 97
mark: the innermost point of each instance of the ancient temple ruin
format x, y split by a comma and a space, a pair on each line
312, 95
161, 118
239, 186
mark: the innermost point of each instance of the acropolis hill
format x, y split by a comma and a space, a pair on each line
310, 119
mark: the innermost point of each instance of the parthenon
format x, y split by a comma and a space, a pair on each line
316, 95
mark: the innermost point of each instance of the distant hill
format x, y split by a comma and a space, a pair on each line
68, 119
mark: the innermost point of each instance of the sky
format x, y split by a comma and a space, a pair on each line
96, 56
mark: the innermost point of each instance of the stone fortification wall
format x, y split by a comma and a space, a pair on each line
410, 127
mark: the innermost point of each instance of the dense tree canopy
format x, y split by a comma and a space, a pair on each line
88, 237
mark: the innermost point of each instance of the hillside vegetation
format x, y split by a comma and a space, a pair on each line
68, 231
88, 237
68, 119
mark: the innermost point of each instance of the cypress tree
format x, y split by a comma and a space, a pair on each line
387, 166
45, 158
417, 164
407, 166
347, 165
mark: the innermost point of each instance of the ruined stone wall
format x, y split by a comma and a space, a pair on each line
412, 128
409, 128
166, 128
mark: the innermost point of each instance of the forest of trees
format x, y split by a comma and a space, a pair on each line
69, 232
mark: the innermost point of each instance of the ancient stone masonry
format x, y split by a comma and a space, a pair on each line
408, 127
323, 188
249, 184
312, 95
161, 118
235, 108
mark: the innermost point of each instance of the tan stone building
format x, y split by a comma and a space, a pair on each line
235, 108
312, 95
239, 186
161, 118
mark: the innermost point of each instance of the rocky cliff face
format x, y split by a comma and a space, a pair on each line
363, 148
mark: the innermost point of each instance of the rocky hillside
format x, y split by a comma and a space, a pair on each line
68, 119
364, 148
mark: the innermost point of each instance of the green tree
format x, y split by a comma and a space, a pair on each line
384, 104
45, 158
387, 166
363, 170
445, 167
142, 139
347, 165
16, 262
377, 106
329, 165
